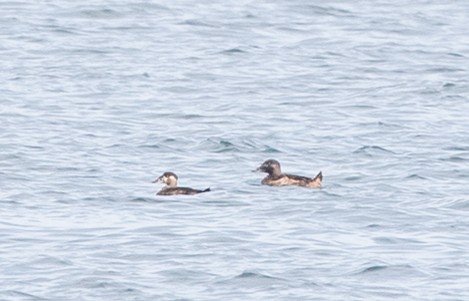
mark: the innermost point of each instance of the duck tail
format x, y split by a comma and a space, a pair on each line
206, 190
318, 178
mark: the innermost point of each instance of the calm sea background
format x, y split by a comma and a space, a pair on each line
100, 98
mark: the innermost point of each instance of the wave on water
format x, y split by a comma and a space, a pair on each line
19, 294
391, 272
233, 51
222, 145
372, 150
252, 279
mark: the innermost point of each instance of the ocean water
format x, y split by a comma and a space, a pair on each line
100, 98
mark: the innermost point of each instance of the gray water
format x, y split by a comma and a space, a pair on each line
99, 99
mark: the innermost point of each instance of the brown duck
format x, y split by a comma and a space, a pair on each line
275, 176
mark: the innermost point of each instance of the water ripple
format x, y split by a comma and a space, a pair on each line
98, 99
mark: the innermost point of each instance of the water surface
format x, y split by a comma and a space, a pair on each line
99, 99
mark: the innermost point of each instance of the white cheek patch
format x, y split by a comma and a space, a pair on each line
172, 180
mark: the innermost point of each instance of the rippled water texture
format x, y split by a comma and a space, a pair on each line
99, 99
